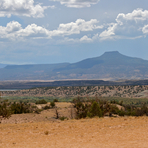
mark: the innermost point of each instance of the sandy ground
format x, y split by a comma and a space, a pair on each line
64, 109
125, 132
44, 131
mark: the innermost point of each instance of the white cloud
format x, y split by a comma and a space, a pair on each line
145, 29
76, 27
67, 40
13, 27
109, 32
137, 15
14, 30
21, 7
33, 31
77, 3
128, 25
85, 39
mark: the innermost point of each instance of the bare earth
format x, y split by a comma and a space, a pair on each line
123, 132
44, 131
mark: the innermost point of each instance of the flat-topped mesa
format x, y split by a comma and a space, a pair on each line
112, 54
111, 65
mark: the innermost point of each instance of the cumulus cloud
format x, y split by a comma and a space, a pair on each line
67, 40
76, 27
21, 7
33, 31
145, 29
77, 3
14, 30
130, 25
12, 27
85, 38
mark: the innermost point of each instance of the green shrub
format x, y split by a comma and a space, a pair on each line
52, 104
114, 109
94, 110
121, 113
19, 108
41, 102
144, 110
63, 118
81, 107
55, 100
5, 111
46, 107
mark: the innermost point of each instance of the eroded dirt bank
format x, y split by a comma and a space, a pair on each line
122, 132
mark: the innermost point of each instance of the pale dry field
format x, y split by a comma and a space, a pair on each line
44, 131
122, 132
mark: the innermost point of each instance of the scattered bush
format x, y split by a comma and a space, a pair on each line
63, 118
5, 111
19, 108
82, 107
52, 104
41, 102
96, 107
55, 100
46, 107
94, 110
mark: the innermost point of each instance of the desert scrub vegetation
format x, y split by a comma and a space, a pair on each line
128, 91
89, 107
34, 99
63, 118
52, 104
5, 111
104, 91
8, 108
41, 101
19, 108
92, 107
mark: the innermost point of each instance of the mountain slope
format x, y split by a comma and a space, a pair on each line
2, 65
110, 65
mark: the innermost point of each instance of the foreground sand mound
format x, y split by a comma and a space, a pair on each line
122, 132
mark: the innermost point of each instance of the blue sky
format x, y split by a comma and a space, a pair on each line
56, 31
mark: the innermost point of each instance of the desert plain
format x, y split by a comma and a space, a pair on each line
43, 130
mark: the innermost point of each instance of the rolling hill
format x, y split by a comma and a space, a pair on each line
109, 66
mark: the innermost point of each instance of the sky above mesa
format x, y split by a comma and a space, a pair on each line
57, 31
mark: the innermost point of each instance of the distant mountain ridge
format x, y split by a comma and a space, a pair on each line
109, 66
